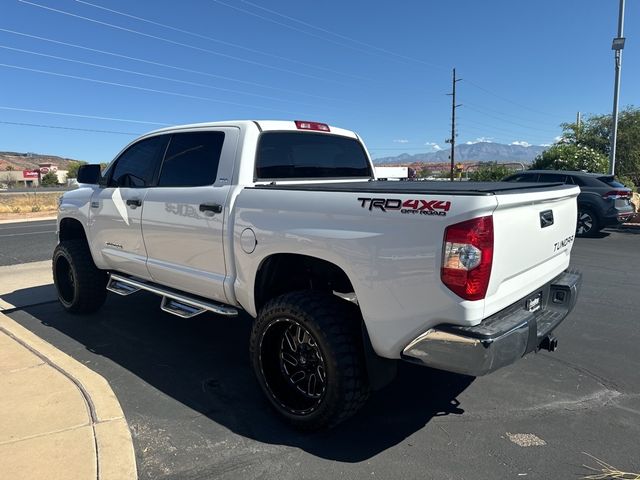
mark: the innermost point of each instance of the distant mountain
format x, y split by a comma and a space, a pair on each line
29, 161
476, 152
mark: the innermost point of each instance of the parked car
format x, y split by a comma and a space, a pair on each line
344, 274
603, 201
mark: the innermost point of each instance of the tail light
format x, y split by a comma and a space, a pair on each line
615, 194
302, 125
467, 257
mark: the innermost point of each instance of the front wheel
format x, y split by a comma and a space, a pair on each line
80, 284
588, 224
306, 351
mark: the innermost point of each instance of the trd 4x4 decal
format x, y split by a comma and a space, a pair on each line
416, 207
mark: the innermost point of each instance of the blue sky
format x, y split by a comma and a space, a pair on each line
382, 69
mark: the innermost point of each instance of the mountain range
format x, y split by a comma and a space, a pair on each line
477, 152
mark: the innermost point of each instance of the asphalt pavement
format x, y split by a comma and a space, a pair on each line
195, 410
26, 242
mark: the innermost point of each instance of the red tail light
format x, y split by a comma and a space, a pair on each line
614, 194
302, 125
467, 257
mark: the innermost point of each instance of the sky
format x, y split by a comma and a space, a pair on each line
82, 78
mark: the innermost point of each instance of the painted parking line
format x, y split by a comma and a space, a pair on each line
28, 233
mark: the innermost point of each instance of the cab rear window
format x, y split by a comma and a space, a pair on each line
302, 155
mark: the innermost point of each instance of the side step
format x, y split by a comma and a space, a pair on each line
174, 302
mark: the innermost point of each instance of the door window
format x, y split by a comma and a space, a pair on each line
138, 165
192, 159
553, 177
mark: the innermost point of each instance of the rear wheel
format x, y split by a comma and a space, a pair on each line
80, 284
588, 224
306, 351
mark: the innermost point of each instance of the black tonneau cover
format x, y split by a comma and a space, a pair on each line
422, 187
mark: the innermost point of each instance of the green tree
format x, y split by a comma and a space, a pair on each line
570, 156
49, 180
595, 133
493, 172
9, 168
72, 169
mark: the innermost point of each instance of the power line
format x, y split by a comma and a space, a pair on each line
78, 115
216, 40
181, 44
351, 39
499, 112
149, 75
509, 101
22, 124
135, 87
165, 65
339, 35
510, 122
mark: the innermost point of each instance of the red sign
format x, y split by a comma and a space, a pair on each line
29, 174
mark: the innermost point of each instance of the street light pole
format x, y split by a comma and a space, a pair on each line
617, 46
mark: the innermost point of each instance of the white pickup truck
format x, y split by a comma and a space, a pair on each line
344, 274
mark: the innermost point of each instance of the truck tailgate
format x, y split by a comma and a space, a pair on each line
533, 237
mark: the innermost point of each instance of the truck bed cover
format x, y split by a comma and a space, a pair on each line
422, 187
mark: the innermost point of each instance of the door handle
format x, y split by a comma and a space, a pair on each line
134, 202
211, 207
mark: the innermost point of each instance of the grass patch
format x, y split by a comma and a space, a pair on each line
29, 202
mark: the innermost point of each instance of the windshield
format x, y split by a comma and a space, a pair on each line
296, 155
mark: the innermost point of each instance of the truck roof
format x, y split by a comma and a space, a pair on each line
262, 125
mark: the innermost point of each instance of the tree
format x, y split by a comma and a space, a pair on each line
595, 133
493, 172
72, 169
570, 156
49, 180
9, 168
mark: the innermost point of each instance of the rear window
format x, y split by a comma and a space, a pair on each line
612, 182
294, 155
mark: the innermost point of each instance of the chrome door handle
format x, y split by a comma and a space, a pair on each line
134, 202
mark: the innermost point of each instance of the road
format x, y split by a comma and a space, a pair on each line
196, 412
26, 242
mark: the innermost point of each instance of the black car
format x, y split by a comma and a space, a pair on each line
603, 201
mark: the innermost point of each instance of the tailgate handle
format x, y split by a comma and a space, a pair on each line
546, 218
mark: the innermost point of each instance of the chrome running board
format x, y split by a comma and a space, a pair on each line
173, 302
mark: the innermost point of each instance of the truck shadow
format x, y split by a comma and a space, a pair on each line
203, 363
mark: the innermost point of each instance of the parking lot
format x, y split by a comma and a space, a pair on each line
195, 410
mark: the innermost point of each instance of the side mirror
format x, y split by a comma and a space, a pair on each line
89, 174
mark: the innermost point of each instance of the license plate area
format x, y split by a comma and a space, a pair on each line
534, 303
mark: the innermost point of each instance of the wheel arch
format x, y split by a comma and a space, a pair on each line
71, 229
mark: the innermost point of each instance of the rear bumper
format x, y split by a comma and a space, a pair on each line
500, 339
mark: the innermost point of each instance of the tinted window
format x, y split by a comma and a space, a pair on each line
552, 177
310, 155
192, 159
575, 180
611, 182
137, 166
525, 178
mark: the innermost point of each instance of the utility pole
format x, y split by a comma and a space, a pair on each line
617, 46
578, 125
452, 140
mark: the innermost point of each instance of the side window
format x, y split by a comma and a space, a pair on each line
577, 181
525, 178
192, 159
553, 178
138, 165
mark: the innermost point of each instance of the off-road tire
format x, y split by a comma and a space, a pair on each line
334, 325
80, 285
588, 221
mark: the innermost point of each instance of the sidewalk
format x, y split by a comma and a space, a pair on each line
58, 418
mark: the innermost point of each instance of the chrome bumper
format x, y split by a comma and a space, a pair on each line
498, 340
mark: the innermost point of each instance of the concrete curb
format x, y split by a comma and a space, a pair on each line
113, 446
31, 219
